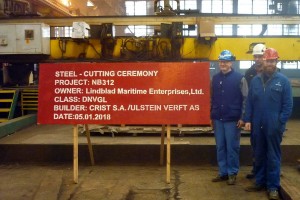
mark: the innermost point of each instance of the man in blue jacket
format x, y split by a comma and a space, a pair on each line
229, 92
268, 108
256, 68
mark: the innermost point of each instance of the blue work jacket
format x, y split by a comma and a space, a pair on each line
227, 97
269, 104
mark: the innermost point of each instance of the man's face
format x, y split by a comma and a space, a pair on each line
258, 59
225, 66
269, 66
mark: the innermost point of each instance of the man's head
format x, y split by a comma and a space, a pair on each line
258, 52
225, 61
270, 58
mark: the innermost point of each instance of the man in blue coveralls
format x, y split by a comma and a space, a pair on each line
229, 93
268, 108
256, 68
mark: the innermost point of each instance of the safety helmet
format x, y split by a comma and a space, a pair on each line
259, 49
270, 54
226, 55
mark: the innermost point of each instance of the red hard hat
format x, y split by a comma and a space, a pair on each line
270, 54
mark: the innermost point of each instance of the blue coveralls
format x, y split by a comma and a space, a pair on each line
269, 105
226, 110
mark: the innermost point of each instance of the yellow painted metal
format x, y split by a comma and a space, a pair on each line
192, 48
157, 20
29, 100
73, 48
8, 104
288, 48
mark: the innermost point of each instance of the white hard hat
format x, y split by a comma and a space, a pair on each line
259, 49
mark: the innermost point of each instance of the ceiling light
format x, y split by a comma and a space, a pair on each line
90, 3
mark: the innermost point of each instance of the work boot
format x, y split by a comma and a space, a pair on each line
220, 178
255, 188
273, 194
231, 179
250, 176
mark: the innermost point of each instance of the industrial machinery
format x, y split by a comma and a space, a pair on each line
105, 39
163, 37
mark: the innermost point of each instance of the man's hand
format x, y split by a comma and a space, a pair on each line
240, 123
248, 126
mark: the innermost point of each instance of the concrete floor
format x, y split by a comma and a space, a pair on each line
121, 175
123, 182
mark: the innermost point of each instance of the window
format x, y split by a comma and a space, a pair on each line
227, 6
188, 5
206, 6
256, 30
274, 29
289, 65
244, 30
246, 64
62, 31
146, 7
173, 5
143, 30
291, 29
139, 31
279, 64
260, 7
249, 30
225, 30
253, 6
129, 5
189, 30
135, 8
217, 6
245, 7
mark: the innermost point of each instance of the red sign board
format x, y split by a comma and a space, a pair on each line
124, 93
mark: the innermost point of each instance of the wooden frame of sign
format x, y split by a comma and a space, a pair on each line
90, 147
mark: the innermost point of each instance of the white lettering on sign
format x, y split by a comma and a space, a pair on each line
99, 107
144, 107
66, 99
131, 91
98, 73
119, 108
65, 74
196, 91
68, 91
93, 99
175, 107
71, 82
100, 91
168, 92
63, 116
103, 82
194, 107
137, 73
69, 108
70, 116
119, 73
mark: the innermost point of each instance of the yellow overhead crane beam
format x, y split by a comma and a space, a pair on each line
157, 20
191, 48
